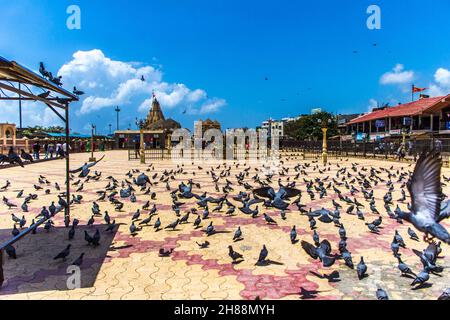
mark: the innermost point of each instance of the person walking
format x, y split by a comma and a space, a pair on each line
64, 148
46, 150
51, 150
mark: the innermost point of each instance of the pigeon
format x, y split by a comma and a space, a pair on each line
404, 269
235, 256
293, 235
237, 234
277, 198
421, 278
210, 229
268, 219
262, 255
77, 92
157, 224
72, 232
78, 261
86, 168
321, 252
11, 251
425, 192
382, 295
445, 295
361, 269
63, 254
412, 234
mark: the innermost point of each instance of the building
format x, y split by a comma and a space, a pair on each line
274, 127
426, 116
342, 121
157, 131
200, 126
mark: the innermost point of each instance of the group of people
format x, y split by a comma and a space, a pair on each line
50, 150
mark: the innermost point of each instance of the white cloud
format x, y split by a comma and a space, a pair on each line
398, 75
108, 83
33, 114
212, 106
372, 104
441, 86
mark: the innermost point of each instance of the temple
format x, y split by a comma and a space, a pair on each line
157, 130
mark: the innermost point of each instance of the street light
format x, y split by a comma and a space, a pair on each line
141, 125
93, 128
117, 109
324, 123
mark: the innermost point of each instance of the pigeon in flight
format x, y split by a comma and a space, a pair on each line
425, 192
322, 252
86, 168
77, 92
277, 198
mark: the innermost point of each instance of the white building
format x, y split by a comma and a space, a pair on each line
274, 127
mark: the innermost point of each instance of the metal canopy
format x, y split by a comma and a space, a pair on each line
20, 83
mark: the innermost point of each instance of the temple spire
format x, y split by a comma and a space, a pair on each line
155, 114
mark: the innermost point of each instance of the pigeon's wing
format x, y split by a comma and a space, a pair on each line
445, 211
425, 186
254, 201
213, 200
291, 193
310, 249
90, 165
266, 192
76, 170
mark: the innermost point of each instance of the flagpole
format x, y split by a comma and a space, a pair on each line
412, 93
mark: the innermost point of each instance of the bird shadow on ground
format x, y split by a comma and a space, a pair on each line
35, 269
266, 263
422, 286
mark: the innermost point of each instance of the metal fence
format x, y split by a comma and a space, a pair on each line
387, 148
166, 154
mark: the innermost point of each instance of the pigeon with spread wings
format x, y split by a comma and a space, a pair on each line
277, 199
86, 168
426, 195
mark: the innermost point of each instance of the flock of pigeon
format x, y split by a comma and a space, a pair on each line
427, 208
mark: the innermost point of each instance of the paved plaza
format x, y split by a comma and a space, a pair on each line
126, 266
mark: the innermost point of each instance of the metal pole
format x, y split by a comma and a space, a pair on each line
142, 151
67, 212
20, 107
92, 159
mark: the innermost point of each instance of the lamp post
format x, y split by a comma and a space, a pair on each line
117, 110
141, 125
324, 123
92, 159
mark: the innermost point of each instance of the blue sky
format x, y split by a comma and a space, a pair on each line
223, 50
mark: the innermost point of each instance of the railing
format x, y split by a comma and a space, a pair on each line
166, 154
387, 148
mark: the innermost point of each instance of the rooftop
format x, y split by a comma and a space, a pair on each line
427, 105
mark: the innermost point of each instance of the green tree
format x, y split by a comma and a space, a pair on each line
309, 127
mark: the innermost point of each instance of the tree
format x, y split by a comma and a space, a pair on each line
309, 127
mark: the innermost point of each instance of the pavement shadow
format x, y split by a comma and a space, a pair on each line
35, 270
